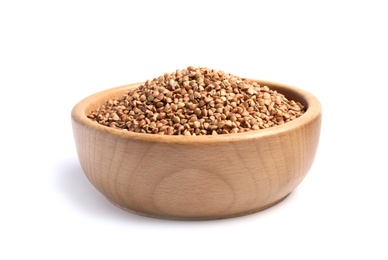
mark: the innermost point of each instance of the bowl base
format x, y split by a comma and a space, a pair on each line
170, 217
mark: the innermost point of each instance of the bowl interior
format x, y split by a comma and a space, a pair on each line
93, 102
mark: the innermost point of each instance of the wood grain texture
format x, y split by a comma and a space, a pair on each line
197, 177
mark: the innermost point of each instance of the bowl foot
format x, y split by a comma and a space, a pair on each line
168, 217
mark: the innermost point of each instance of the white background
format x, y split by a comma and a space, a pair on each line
54, 53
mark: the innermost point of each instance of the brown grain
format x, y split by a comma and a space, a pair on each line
197, 101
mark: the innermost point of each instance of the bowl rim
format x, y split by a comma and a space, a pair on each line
313, 111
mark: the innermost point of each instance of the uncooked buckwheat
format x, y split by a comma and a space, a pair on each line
197, 101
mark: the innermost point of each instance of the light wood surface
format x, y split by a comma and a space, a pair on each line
197, 177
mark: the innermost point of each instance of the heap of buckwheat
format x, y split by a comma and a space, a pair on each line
197, 101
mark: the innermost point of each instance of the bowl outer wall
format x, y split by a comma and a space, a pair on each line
197, 177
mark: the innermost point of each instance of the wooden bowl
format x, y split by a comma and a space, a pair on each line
197, 177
